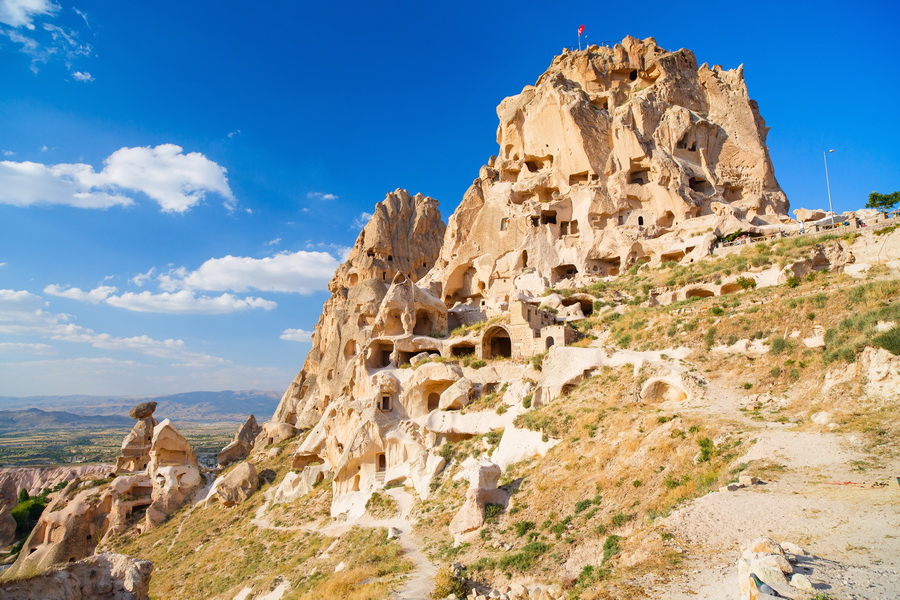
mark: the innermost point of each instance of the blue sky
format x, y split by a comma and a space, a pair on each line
180, 179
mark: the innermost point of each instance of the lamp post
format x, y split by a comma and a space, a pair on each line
827, 184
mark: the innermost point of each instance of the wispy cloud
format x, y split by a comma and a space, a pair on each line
23, 348
360, 221
296, 335
235, 133
274, 242
175, 180
96, 295
29, 25
23, 313
141, 278
79, 76
321, 196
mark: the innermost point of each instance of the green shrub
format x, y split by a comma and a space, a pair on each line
707, 449
537, 361
780, 345
492, 512
717, 311
889, 340
526, 401
27, 514
792, 281
582, 505
523, 527
746, 283
484, 563
524, 560
611, 547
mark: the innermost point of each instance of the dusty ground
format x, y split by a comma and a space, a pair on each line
828, 495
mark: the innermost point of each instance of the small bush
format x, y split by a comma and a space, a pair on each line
780, 346
537, 361
746, 283
524, 560
707, 449
582, 505
611, 547
717, 311
526, 401
747, 385
446, 582
492, 512
889, 340
523, 527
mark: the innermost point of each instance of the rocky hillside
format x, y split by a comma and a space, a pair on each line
616, 373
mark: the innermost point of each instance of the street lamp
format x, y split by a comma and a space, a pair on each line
827, 184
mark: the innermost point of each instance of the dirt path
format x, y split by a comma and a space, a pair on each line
420, 582
824, 496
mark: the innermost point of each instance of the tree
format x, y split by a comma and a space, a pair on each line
23, 495
883, 202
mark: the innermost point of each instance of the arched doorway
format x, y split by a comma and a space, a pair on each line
496, 343
548, 343
434, 401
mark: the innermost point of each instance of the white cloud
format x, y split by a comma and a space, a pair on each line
22, 348
96, 295
185, 303
296, 335
3, 264
360, 221
299, 272
21, 13
8, 153
321, 196
234, 133
176, 181
274, 242
79, 76
179, 303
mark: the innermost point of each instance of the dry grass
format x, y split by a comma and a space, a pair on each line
220, 551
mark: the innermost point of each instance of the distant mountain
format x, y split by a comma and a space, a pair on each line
189, 406
33, 418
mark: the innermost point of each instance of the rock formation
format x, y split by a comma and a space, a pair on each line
173, 470
235, 486
101, 577
7, 526
136, 445
482, 491
615, 157
37, 479
242, 444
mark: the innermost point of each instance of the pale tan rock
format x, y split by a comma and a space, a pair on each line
237, 485
482, 490
173, 472
776, 561
804, 215
792, 548
135, 452
802, 582
7, 526
102, 577
68, 530
765, 545
242, 444
747, 480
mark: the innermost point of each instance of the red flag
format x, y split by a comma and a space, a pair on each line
581, 30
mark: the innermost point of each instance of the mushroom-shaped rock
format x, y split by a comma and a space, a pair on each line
135, 452
238, 484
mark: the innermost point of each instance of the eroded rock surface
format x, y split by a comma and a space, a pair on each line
102, 577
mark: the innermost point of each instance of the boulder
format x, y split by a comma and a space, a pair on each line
237, 485
805, 215
483, 477
143, 410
